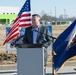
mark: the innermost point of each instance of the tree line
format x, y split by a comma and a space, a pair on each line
47, 17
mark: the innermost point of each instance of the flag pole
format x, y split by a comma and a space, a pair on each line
52, 57
53, 53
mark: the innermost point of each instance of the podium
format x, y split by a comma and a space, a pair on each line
30, 59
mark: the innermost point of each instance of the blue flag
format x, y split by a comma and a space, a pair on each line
65, 47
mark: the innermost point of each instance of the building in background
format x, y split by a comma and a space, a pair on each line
8, 14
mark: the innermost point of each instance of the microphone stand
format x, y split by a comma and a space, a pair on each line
13, 44
52, 49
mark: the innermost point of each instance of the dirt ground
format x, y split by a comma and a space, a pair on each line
56, 31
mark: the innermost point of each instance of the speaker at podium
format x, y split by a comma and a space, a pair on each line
30, 59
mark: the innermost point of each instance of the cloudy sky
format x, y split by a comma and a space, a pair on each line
51, 7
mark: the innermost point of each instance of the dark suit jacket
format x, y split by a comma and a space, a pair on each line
41, 39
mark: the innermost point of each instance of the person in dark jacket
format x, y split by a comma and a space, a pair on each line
37, 34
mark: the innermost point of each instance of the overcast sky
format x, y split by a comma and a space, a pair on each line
60, 7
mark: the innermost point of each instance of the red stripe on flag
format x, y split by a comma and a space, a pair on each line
14, 26
12, 33
25, 25
15, 30
25, 14
11, 37
16, 19
25, 20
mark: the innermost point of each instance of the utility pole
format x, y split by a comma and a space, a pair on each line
64, 13
50, 16
55, 17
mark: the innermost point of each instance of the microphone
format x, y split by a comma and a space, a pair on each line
43, 33
32, 29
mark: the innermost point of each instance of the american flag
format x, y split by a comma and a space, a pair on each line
23, 20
